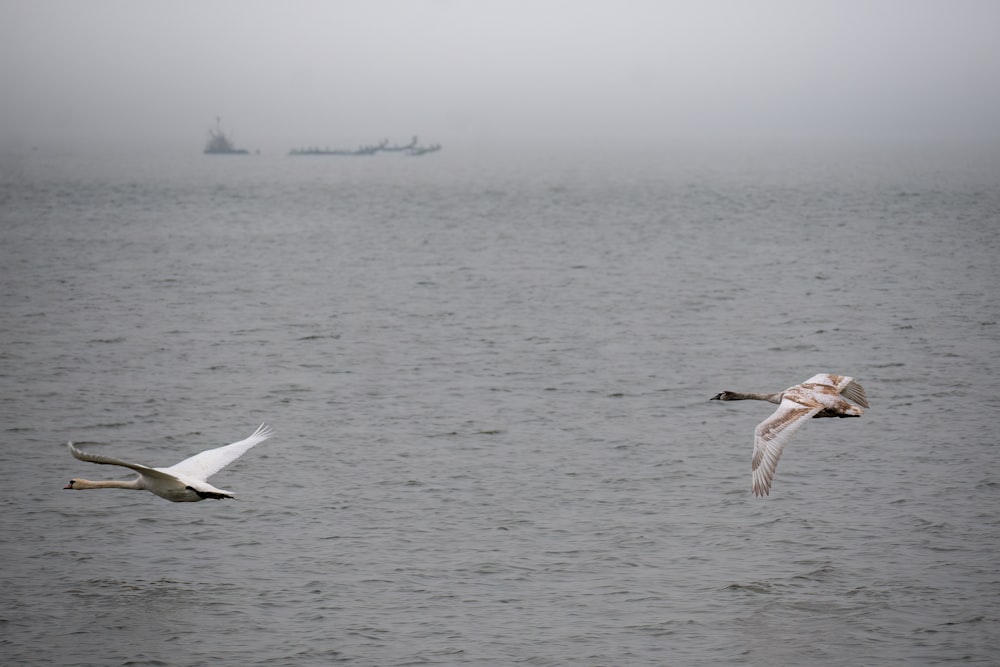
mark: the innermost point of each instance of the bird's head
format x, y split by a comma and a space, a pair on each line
723, 396
71, 485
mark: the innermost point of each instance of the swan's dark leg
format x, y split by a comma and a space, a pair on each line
832, 413
209, 494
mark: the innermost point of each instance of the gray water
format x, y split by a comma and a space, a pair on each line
489, 384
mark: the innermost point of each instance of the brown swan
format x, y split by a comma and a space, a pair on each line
820, 396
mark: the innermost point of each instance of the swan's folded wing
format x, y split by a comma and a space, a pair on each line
770, 438
838, 381
845, 384
107, 460
207, 463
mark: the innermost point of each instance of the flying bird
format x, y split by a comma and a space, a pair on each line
184, 482
820, 396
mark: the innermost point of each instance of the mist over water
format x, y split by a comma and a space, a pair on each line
489, 382
123, 77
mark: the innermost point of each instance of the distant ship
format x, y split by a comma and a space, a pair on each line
360, 150
423, 150
412, 148
221, 144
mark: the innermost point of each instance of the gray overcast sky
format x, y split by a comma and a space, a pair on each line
286, 73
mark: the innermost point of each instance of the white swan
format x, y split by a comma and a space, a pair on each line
180, 483
820, 396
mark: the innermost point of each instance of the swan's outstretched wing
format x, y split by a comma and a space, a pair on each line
846, 385
207, 463
107, 460
770, 438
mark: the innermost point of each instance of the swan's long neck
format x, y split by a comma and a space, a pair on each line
106, 484
753, 396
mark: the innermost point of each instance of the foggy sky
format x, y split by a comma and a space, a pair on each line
154, 74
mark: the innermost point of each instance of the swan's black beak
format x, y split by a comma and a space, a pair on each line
70, 485
717, 397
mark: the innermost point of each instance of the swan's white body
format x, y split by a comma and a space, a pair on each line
822, 395
183, 482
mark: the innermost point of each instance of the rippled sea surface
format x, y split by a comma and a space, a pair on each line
489, 385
